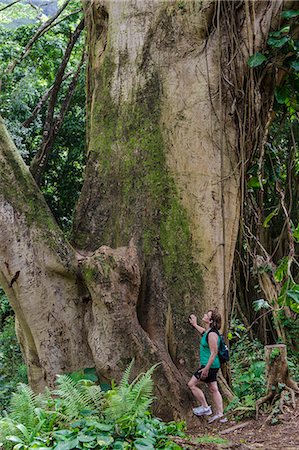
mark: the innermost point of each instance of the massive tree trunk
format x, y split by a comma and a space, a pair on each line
174, 112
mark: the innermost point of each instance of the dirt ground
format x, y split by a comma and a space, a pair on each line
249, 434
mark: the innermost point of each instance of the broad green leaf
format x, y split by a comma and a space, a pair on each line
19, 447
67, 445
295, 232
63, 434
38, 447
103, 427
14, 439
269, 217
85, 438
277, 34
294, 307
278, 43
256, 60
293, 295
294, 287
144, 443
281, 270
260, 304
103, 439
290, 13
23, 429
121, 445
90, 374
253, 182
295, 65
282, 94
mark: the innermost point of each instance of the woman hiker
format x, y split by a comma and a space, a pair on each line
209, 366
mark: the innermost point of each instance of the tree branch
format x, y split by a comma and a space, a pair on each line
39, 273
10, 4
69, 94
42, 30
41, 102
49, 132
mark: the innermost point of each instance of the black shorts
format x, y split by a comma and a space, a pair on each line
212, 376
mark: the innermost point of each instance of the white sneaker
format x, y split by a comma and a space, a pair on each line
202, 411
220, 417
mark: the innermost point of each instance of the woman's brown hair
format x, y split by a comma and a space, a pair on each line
215, 319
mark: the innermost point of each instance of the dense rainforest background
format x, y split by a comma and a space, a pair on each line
163, 146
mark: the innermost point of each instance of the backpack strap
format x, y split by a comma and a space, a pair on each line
215, 331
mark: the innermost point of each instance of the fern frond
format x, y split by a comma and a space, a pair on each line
76, 397
141, 392
127, 402
95, 396
22, 406
124, 382
73, 401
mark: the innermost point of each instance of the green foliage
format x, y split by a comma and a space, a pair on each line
77, 397
18, 14
130, 401
257, 59
283, 52
291, 327
247, 368
12, 368
269, 217
260, 304
22, 90
289, 14
78, 415
248, 365
5, 308
273, 180
289, 295
282, 269
23, 406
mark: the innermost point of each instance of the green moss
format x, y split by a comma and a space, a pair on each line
144, 201
90, 274
18, 188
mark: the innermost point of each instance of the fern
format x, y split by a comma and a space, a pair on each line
129, 401
125, 378
23, 405
94, 395
77, 397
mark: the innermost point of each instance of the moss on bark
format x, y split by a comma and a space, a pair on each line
18, 189
135, 193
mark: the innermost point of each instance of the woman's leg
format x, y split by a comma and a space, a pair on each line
197, 392
214, 391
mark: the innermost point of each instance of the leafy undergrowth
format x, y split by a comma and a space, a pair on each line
12, 368
79, 415
248, 374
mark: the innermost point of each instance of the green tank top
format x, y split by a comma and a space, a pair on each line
205, 352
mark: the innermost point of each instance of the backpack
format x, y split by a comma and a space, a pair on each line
223, 351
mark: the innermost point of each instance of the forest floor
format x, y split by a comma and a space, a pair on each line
249, 434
